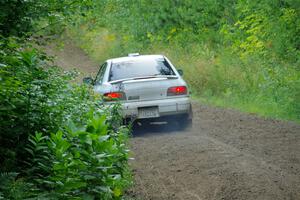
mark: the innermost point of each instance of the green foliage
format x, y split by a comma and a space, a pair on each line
80, 162
93, 158
38, 158
87, 158
57, 141
242, 54
20, 17
35, 97
13, 188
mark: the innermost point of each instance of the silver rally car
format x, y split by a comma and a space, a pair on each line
148, 87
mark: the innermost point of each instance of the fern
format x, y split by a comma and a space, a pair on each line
39, 156
6, 178
13, 188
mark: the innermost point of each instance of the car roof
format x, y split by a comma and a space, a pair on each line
132, 58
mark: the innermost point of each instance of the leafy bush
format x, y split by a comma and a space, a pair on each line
57, 141
88, 161
35, 97
24, 17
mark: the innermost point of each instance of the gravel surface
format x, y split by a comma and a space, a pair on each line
226, 155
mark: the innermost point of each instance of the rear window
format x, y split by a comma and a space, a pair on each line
140, 68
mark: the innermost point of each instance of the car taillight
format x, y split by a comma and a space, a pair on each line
178, 90
113, 96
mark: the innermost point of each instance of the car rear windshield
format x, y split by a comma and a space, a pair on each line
140, 68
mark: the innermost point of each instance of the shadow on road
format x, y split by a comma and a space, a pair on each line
145, 130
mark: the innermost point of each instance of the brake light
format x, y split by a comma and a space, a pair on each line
112, 96
178, 90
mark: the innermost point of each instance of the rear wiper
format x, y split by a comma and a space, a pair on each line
143, 77
121, 80
130, 79
166, 76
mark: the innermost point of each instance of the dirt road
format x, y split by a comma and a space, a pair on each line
226, 155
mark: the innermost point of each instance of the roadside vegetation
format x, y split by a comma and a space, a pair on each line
57, 140
240, 54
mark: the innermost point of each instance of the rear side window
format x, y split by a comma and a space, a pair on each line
140, 68
100, 75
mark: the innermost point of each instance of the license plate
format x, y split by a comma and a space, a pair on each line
148, 112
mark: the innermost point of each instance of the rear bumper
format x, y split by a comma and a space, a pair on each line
166, 107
